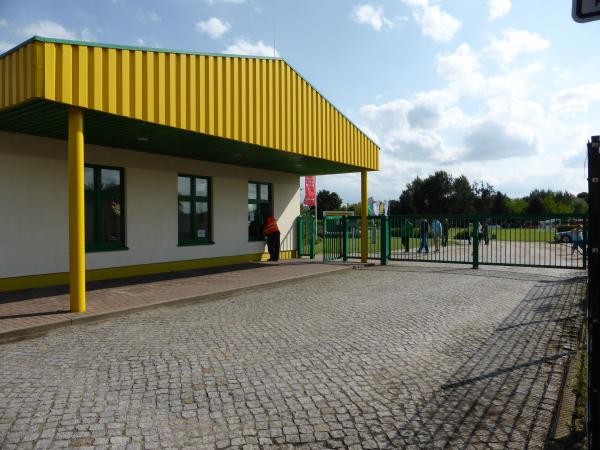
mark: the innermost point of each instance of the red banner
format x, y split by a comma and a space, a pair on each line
310, 188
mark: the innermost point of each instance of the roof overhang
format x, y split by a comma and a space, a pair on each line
245, 111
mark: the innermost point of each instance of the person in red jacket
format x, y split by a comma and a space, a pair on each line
271, 231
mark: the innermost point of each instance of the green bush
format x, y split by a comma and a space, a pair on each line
463, 234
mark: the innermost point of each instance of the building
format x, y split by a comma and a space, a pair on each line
118, 161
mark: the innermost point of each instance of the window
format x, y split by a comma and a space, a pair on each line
104, 208
259, 207
193, 196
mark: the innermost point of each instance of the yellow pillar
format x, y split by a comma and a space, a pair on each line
76, 212
363, 216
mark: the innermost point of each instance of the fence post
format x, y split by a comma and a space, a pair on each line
314, 234
384, 240
345, 238
585, 242
299, 231
475, 243
324, 247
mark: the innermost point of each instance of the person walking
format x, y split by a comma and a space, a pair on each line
406, 232
271, 231
470, 232
578, 241
436, 227
445, 231
486, 232
424, 233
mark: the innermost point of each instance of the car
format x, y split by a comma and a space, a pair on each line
566, 236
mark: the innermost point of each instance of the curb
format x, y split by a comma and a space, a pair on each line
35, 331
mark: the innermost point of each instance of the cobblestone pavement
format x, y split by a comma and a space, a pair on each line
385, 357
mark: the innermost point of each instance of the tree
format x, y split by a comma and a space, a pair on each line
580, 205
328, 201
517, 205
536, 205
462, 199
484, 193
437, 189
407, 203
500, 204
352, 207
394, 208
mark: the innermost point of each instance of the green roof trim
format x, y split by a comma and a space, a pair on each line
49, 119
132, 48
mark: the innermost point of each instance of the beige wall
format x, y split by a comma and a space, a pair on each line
34, 205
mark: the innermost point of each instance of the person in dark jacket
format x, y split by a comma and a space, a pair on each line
445, 231
424, 233
406, 232
271, 231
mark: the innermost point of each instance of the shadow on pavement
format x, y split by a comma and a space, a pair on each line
504, 395
27, 294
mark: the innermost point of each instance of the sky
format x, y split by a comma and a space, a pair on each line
502, 91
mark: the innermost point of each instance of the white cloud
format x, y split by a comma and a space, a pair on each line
242, 46
370, 15
435, 23
498, 8
514, 42
462, 70
423, 116
148, 16
575, 161
47, 28
492, 140
577, 99
143, 42
489, 123
5, 46
3, 23
214, 27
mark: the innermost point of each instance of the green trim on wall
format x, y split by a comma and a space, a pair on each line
62, 278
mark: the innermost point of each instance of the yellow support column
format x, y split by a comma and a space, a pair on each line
363, 216
76, 212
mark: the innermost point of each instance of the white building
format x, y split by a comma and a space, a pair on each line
184, 154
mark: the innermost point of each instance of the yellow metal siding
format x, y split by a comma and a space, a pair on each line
259, 101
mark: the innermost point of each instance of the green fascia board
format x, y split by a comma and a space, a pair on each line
50, 119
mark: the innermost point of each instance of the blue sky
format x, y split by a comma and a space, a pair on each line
499, 90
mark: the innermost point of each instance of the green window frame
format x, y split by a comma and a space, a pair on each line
194, 210
104, 208
260, 203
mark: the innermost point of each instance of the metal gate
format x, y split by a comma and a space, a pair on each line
306, 234
335, 238
342, 238
529, 240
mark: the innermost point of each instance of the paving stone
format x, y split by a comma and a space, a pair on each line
386, 357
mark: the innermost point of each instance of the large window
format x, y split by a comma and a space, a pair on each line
193, 196
104, 208
259, 207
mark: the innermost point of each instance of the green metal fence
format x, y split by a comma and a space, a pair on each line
306, 236
553, 241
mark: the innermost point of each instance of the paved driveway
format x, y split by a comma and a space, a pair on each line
386, 357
